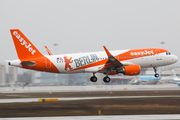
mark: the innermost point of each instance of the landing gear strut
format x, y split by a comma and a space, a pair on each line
155, 70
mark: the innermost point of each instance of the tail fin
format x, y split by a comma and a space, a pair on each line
174, 74
160, 71
24, 48
49, 52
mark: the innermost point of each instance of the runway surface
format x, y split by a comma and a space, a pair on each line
106, 117
28, 89
90, 88
78, 98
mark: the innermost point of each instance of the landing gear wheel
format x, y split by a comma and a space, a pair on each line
156, 75
106, 79
93, 79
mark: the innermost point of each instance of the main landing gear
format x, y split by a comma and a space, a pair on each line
155, 70
105, 79
93, 78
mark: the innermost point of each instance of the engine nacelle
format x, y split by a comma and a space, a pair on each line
131, 70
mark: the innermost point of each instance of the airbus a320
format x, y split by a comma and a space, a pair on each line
127, 62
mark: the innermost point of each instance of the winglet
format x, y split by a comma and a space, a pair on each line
107, 52
49, 52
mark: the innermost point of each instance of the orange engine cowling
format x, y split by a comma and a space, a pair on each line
131, 70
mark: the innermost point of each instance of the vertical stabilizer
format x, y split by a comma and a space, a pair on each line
160, 71
24, 48
174, 75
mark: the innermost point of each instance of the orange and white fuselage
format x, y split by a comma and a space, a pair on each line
94, 61
128, 62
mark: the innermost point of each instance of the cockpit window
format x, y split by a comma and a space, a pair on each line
168, 53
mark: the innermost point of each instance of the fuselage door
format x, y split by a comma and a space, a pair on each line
47, 63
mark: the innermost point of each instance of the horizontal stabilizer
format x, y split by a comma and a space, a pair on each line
28, 63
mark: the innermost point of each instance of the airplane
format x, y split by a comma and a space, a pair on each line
127, 62
144, 79
175, 78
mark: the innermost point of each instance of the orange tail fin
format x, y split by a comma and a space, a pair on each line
24, 48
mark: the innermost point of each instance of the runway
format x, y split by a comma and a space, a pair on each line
19, 100
81, 89
106, 117
32, 89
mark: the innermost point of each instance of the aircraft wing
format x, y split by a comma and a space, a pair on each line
112, 62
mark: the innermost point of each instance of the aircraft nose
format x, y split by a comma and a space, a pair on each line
174, 58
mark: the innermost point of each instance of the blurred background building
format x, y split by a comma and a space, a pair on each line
12, 76
43, 78
2, 75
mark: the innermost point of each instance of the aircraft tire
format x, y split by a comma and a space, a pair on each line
156, 75
93, 79
106, 79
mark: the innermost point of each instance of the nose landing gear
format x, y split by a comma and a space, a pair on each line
156, 73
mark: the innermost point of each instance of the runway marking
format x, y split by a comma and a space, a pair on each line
104, 117
80, 98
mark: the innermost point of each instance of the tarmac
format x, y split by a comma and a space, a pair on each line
20, 100
31, 89
106, 117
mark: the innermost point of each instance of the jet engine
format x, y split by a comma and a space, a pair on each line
129, 70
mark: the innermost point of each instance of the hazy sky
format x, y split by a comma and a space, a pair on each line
87, 25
